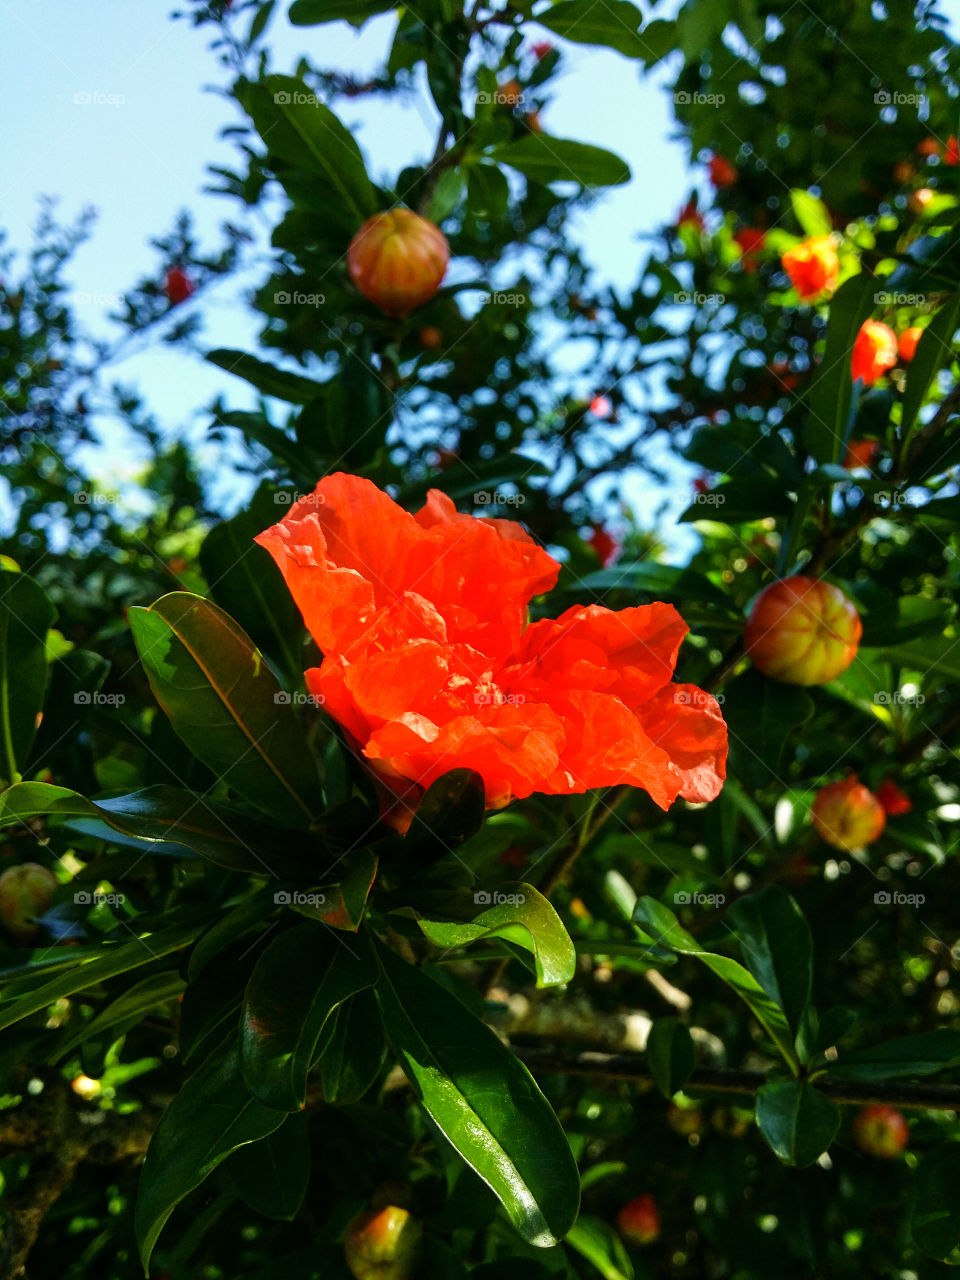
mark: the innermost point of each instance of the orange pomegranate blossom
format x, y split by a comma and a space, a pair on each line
874, 352
398, 260
430, 664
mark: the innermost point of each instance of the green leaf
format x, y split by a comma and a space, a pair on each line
738, 501
225, 703
615, 24
299, 980
934, 349
670, 1055
797, 1121
764, 716
353, 1054
446, 194
935, 653
110, 961
167, 816
483, 1100
310, 13
811, 213
831, 396
272, 1174
129, 1008
449, 813
211, 1116
522, 915
597, 1241
300, 130
292, 388
935, 1201
664, 928
923, 1054
660, 581
915, 616
25, 616
341, 905
546, 159
777, 948
245, 582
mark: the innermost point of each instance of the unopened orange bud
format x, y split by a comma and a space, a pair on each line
880, 1130
382, 1244
860, 453
398, 260
802, 631
722, 172
848, 815
874, 352
907, 343
639, 1220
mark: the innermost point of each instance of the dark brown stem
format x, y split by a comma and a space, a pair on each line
632, 1067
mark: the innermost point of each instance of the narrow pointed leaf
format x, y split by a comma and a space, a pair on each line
25, 616
483, 1100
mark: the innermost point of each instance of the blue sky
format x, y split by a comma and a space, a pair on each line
138, 152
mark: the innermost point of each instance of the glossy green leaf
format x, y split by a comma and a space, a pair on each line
483, 1100
670, 1055
128, 1008
310, 13
614, 24
923, 1054
777, 948
173, 818
302, 976
764, 716
522, 915
113, 960
293, 388
546, 159
738, 501
340, 905
211, 1116
935, 1201
226, 704
812, 214
272, 1174
662, 926
602, 1247
301, 131
797, 1121
25, 616
831, 396
935, 348
245, 582
353, 1054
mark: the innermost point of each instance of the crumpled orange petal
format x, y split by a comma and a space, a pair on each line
429, 664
